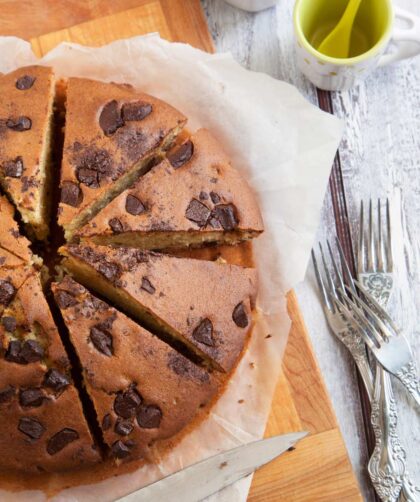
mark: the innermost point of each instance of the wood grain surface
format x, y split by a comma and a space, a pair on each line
320, 469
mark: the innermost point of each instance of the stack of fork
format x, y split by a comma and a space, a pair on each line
355, 311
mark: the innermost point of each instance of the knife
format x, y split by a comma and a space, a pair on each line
204, 478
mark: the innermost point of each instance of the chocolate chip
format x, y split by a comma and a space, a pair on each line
203, 333
147, 286
110, 271
215, 198
89, 177
20, 124
120, 450
203, 196
60, 440
31, 427
9, 323
133, 205
102, 340
181, 155
31, 398
226, 215
13, 352
106, 422
127, 402
7, 394
56, 380
65, 299
149, 417
13, 168
7, 292
71, 194
110, 118
25, 82
123, 427
32, 351
197, 212
92, 166
239, 316
136, 111
116, 225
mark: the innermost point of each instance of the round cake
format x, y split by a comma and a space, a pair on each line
117, 335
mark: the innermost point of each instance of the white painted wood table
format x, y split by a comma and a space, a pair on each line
380, 157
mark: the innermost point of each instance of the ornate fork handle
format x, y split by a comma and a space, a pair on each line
408, 376
387, 463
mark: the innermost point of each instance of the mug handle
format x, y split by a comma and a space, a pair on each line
410, 34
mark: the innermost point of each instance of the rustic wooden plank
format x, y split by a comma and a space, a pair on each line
317, 471
137, 21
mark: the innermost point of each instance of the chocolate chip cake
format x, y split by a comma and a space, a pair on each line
206, 306
26, 116
194, 196
121, 364
154, 391
112, 133
43, 426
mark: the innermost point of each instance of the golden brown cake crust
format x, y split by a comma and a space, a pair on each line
208, 304
10, 238
119, 357
199, 191
43, 427
109, 129
25, 111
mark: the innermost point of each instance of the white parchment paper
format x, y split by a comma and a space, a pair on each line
285, 147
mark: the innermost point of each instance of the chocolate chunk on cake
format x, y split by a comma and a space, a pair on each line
194, 196
43, 426
206, 306
112, 133
10, 237
26, 116
144, 391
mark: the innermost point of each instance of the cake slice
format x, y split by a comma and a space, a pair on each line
144, 392
10, 238
194, 196
43, 426
204, 306
112, 133
26, 116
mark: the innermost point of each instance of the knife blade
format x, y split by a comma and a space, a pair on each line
204, 478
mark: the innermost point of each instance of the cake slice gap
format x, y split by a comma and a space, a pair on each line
193, 197
204, 306
112, 135
44, 428
26, 122
145, 393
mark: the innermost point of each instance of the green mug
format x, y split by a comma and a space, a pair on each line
374, 28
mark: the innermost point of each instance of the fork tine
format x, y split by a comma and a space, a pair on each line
389, 260
332, 291
371, 239
346, 313
345, 267
380, 312
356, 311
321, 285
338, 274
361, 249
379, 242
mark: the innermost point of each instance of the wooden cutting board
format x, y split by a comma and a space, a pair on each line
319, 469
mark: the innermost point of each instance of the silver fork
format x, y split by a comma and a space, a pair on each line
389, 483
374, 272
